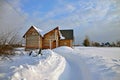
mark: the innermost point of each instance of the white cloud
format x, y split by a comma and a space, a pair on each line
11, 16
99, 18
95, 18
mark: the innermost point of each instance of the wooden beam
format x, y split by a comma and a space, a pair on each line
50, 43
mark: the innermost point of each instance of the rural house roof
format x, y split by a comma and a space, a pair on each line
68, 34
64, 34
42, 33
37, 29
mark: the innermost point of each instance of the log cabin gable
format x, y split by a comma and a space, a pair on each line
32, 31
51, 39
33, 38
53, 34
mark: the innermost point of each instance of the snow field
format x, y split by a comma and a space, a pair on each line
78, 69
63, 63
49, 66
103, 63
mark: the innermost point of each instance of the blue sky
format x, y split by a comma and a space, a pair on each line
98, 19
38, 5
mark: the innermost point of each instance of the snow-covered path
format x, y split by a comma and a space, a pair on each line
49, 66
77, 67
64, 63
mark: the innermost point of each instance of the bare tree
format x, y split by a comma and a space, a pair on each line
8, 41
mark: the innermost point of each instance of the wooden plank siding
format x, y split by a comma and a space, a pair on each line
51, 39
65, 42
33, 39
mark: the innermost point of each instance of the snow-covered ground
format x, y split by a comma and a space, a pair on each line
49, 66
63, 63
103, 63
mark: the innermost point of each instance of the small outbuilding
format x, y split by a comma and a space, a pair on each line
68, 38
38, 39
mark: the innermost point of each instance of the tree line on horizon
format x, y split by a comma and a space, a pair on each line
87, 42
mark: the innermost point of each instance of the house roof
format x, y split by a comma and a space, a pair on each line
68, 34
42, 32
37, 29
64, 34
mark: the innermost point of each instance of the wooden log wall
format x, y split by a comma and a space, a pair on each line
33, 39
65, 42
51, 39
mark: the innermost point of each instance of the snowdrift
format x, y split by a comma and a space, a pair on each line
63, 49
49, 66
63, 63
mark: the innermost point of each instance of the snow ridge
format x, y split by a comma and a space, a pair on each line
63, 63
49, 66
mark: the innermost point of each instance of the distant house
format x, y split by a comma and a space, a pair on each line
36, 38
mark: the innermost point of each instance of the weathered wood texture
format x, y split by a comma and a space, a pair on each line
51, 39
65, 42
33, 39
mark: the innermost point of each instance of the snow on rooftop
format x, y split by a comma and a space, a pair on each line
38, 30
43, 32
61, 36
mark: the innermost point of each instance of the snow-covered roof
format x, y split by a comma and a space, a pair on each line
38, 30
68, 34
64, 34
43, 32
61, 36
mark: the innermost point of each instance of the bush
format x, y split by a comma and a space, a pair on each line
86, 41
97, 44
6, 50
